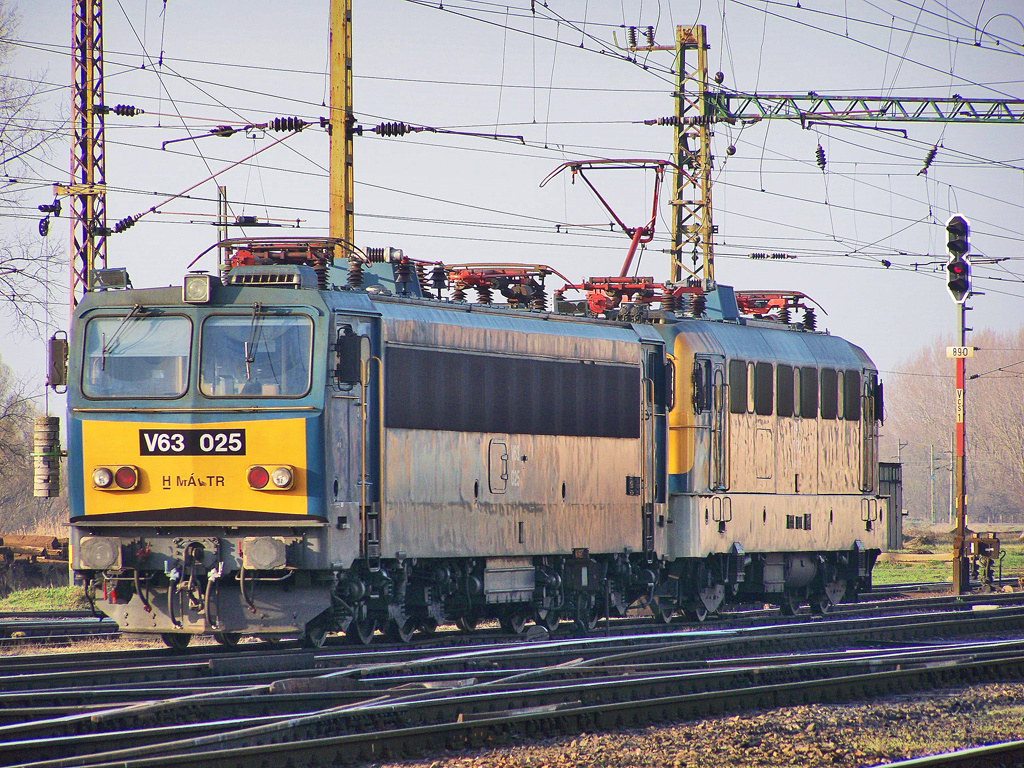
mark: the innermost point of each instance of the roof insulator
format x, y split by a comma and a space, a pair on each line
928, 160
671, 120
125, 223
286, 124
394, 129
121, 110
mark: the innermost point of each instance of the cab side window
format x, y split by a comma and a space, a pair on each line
701, 386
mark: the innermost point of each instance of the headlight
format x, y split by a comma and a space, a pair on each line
281, 478
196, 288
98, 553
277, 479
123, 478
102, 477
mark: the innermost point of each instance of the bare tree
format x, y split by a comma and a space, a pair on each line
26, 260
995, 425
920, 413
20, 511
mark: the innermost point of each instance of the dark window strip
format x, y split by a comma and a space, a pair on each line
461, 392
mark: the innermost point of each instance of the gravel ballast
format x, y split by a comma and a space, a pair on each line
885, 730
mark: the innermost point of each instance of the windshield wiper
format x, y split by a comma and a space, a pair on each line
250, 345
108, 346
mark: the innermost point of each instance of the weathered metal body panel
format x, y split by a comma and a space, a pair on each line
476, 493
774, 469
440, 501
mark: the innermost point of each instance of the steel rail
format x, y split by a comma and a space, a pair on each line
75, 677
308, 740
1006, 755
609, 662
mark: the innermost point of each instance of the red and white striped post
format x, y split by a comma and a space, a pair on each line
959, 286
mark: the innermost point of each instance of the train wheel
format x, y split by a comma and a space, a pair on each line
176, 641
229, 639
663, 610
428, 627
548, 619
468, 622
513, 623
820, 604
789, 603
833, 592
696, 611
400, 630
362, 626
316, 635
361, 631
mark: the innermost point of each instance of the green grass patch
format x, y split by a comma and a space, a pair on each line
911, 573
45, 599
908, 572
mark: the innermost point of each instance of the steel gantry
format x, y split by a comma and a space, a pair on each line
699, 107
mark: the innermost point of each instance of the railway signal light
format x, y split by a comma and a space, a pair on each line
958, 268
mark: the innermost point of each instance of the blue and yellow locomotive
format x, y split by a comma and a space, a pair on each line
270, 454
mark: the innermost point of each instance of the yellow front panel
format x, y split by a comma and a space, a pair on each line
210, 480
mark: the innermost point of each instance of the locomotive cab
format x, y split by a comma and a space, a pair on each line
196, 445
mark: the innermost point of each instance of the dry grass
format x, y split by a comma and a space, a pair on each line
45, 599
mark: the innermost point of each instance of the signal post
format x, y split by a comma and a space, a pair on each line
959, 285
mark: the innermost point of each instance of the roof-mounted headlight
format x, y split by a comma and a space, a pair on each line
197, 288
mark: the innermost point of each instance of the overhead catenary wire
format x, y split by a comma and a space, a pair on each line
832, 166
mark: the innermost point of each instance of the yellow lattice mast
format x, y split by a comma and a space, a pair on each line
342, 122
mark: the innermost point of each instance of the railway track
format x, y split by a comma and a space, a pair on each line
1007, 755
24, 627
64, 627
292, 707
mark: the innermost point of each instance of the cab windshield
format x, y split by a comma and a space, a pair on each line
256, 355
136, 356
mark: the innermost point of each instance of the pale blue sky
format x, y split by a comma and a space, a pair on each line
455, 199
